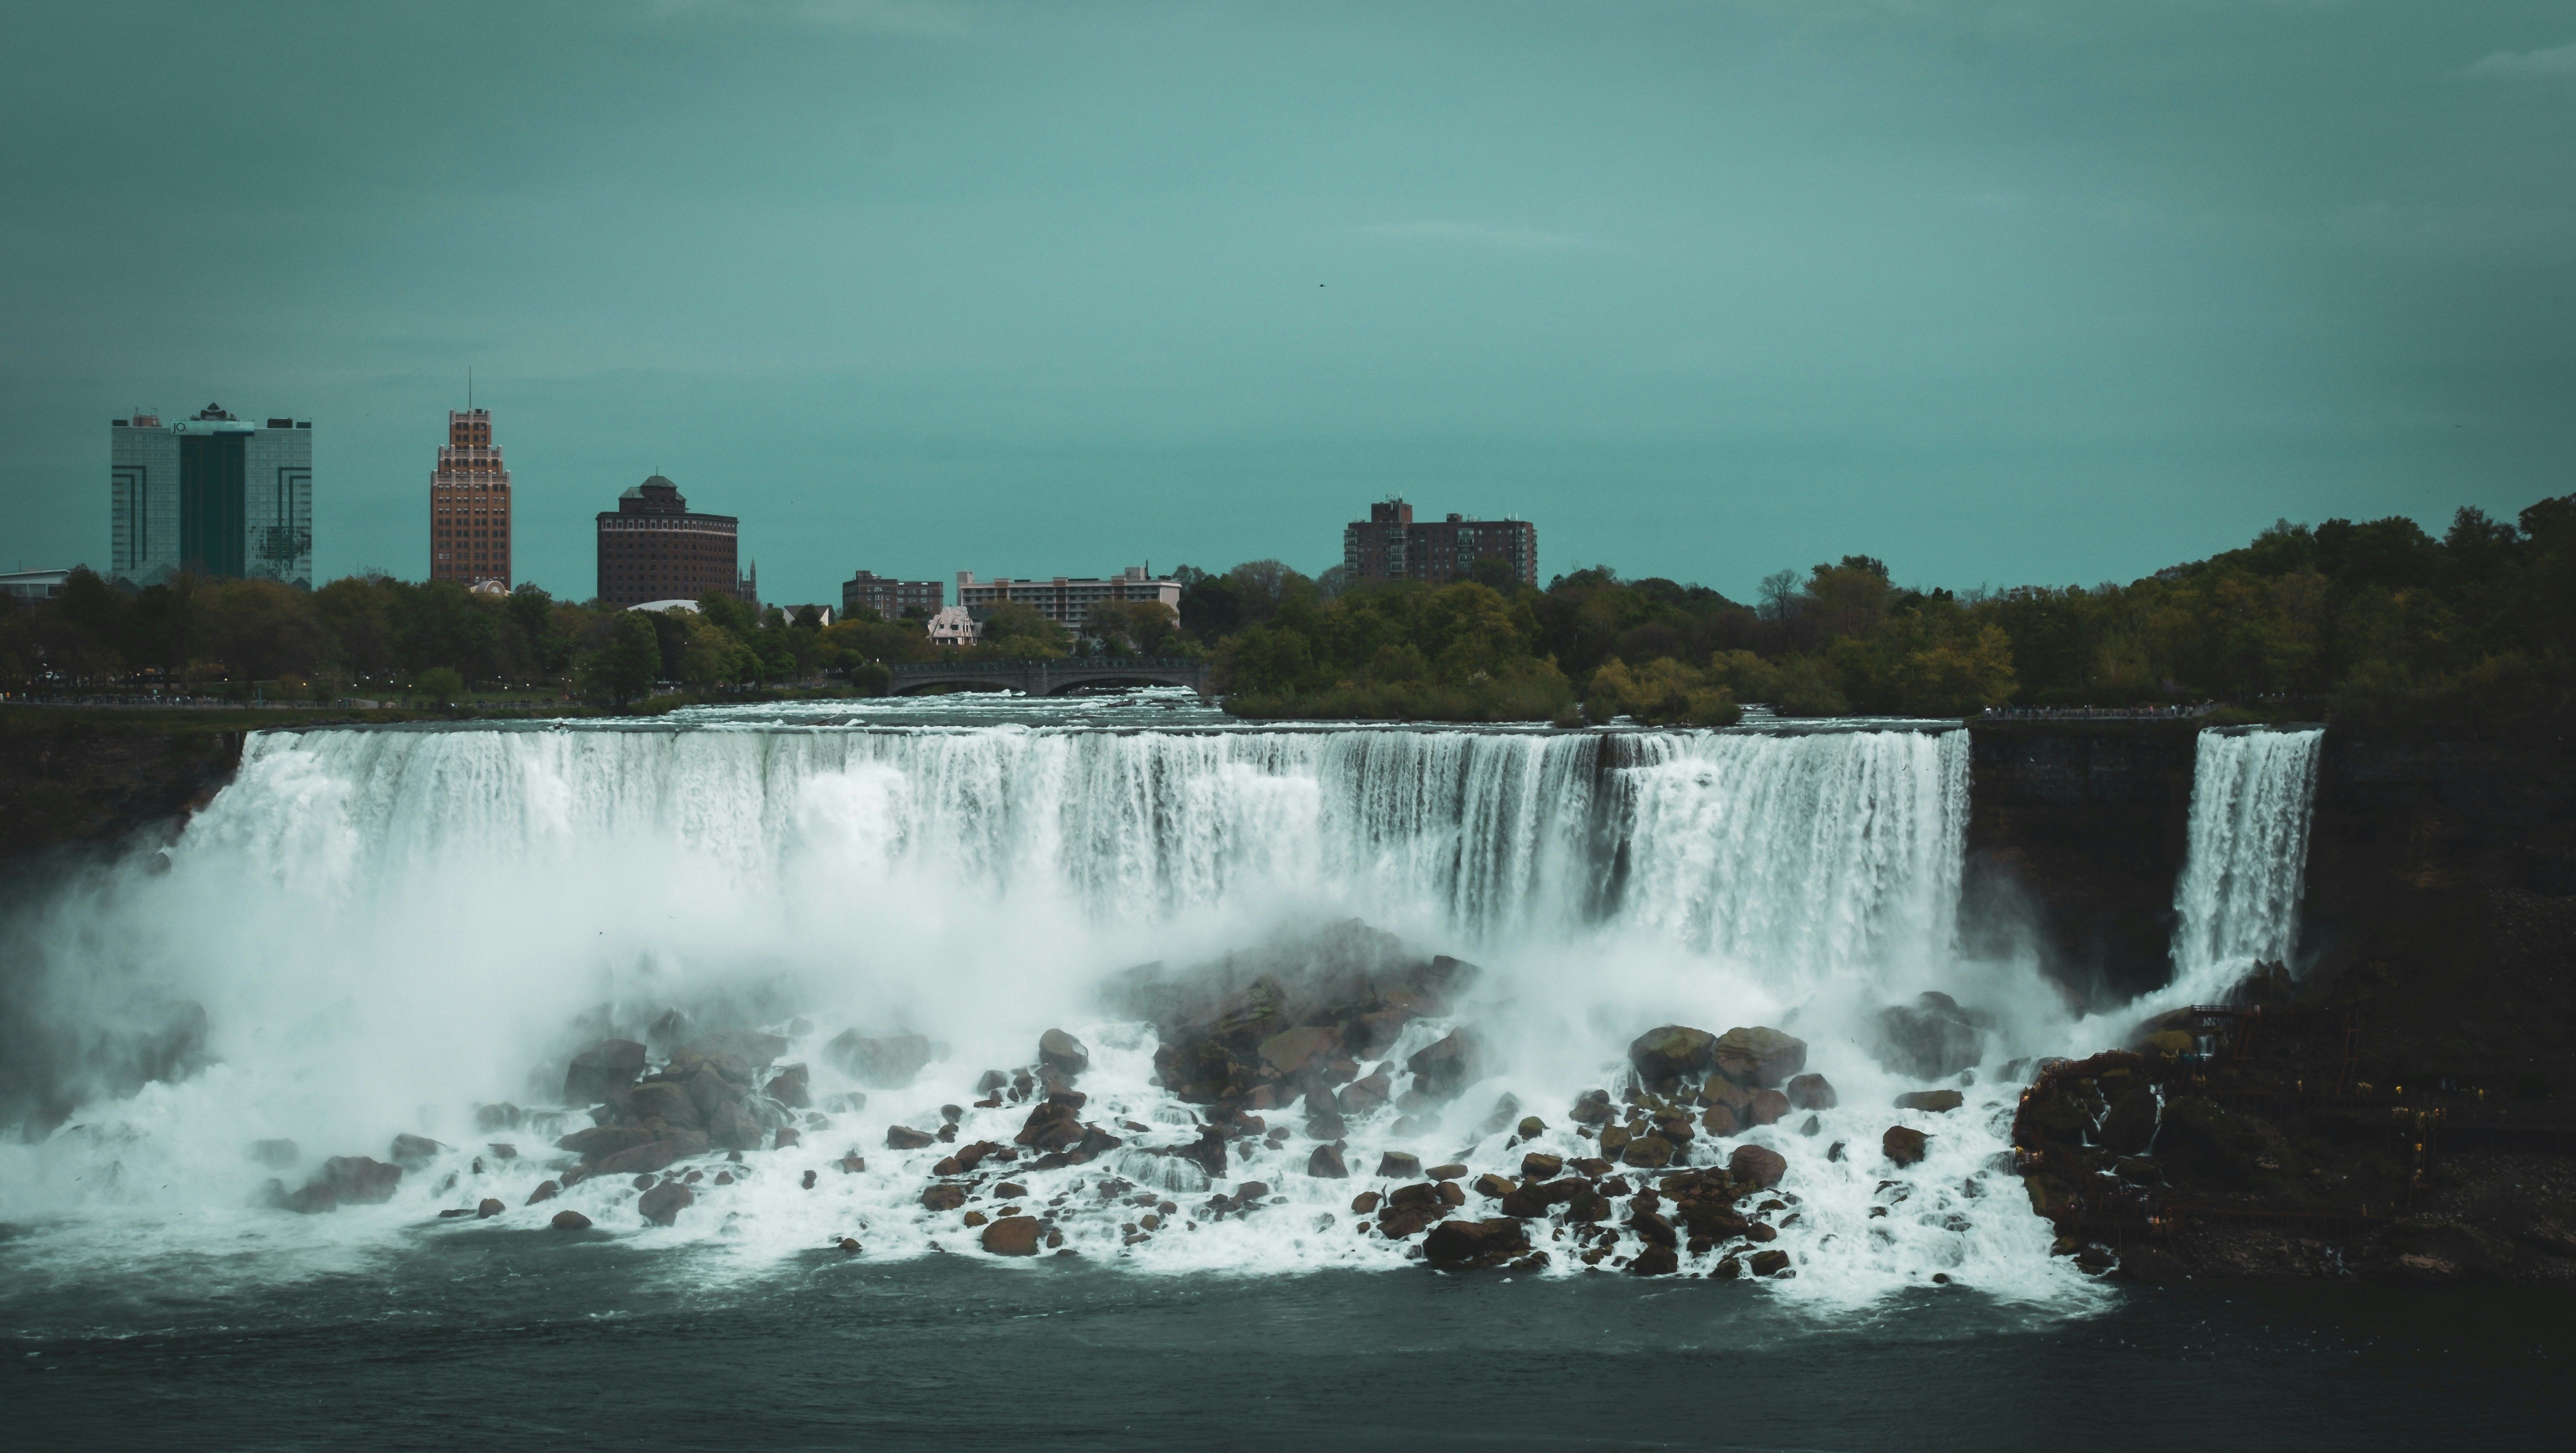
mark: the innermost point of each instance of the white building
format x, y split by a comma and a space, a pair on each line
954, 627
1064, 600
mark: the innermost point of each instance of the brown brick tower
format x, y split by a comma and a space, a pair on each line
469, 505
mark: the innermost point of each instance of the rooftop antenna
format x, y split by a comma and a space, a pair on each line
469, 388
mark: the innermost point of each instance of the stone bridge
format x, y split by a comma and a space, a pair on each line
1054, 675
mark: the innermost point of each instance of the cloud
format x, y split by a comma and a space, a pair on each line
2559, 61
1482, 234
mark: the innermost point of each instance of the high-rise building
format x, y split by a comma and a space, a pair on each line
469, 504
890, 599
651, 548
210, 495
1389, 545
1065, 600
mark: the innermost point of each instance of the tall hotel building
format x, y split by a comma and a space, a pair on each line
469, 504
1390, 545
210, 495
651, 548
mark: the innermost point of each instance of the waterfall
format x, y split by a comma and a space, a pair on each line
2238, 901
382, 931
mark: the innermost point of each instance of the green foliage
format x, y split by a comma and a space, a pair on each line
441, 684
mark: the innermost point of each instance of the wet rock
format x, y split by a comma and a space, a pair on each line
1449, 1172
943, 1197
652, 1154
1013, 1236
2131, 1124
1810, 1126
1938, 1102
1651, 1227
1655, 1261
1718, 1120
313, 1199
1671, 1053
489, 1119
1648, 1151
1752, 1165
411, 1152
732, 1128
359, 1181
848, 1103
886, 1063
1365, 1202
276, 1154
786, 1136
1296, 1053
2147, 1264
611, 1064
790, 1087
1399, 1165
1530, 1128
1928, 1039
1493, 1187
663, 1204
1758, 1058
545, 1192
1589, 1165
1363, 1095
904, 1137
1811, 1092
668, 1102
1327, 1164
1051, 1126
1902, 1146
1539, 1166
1592, 1107
1445, 1068
1615, 1138
1768, 1263
1063, 1053
1767, 1107
849, 1245
1458, 1244
570, 1221
738, 1057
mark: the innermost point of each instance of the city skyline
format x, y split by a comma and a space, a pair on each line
1705, 291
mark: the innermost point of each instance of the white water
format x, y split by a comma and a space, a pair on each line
388, 928
2238, 900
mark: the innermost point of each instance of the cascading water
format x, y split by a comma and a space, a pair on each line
387, 929
2238, 900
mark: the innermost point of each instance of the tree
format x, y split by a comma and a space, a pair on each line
441, 684
626, 665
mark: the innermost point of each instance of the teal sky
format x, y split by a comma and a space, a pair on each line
2000, 292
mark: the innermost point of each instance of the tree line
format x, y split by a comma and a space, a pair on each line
2375, 620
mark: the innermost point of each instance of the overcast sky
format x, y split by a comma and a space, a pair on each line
2000, 292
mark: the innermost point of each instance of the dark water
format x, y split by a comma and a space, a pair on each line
520, 1339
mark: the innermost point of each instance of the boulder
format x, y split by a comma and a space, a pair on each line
570, 1221
739, 1057
611, 1064
1759, 1058
1767, 1107
489, 1119
1013, 1236
1938, 1102
1902, 1146
1769, 1263
1363, 1095
1811, 1092
1293, 1054
411, 1152
1615, 1138
1651, 1227
1399, 1165
2131, 1124
1456, 1244
904, 1137
487, 1208
1326, 1164
1752, 1165
1719, 1120
313, 1199
652, 1154
667, 1101
545, 1191
1592, 1107
1530, 1128
1051, 1126
356, 1180
790, 1088
1063, 1053
1535, 1166
886, 1063
732, 1128
1672, 1052
1493, 1187
942, 1197
1647, 1151
1928, 1039
1655, 1261
1445, 1068
663, 1204
275, 1154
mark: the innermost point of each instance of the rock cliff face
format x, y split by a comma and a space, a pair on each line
68, 781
